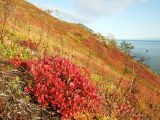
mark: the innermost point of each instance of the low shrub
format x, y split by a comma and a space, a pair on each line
8, 52
58, 83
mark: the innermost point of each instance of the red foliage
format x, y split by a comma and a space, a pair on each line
15, 62
29, 44
58, 82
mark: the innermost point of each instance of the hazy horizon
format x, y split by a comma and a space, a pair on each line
140, 39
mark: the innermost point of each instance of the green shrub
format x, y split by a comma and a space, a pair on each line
126, 47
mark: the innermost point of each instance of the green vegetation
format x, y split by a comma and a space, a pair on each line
126, 47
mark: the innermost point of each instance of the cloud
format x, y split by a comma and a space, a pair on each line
68, 16
85, 11
62, 14
102, 8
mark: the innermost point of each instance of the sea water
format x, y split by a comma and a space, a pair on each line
149, 49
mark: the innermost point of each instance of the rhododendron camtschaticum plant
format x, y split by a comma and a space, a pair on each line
59, 83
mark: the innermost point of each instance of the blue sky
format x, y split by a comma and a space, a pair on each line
125, 19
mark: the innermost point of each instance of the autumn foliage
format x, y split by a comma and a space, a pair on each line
29, 44
60, 84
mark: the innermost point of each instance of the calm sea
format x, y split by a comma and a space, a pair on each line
140, 50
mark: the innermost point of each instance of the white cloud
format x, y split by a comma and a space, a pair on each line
63, 14
101, 8
68, 16
85, 11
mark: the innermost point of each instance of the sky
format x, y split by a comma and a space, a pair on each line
124, 19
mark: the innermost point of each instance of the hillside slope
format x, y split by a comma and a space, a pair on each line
110, 69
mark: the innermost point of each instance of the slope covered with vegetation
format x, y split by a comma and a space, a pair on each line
88, 66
